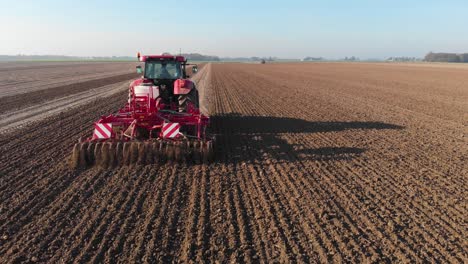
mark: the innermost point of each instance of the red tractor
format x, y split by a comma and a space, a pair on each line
161, 121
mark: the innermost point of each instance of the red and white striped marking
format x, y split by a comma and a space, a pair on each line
170, 130
102, 130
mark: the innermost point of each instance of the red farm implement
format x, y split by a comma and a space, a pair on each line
161, 121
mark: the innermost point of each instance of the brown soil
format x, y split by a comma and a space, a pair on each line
315, 163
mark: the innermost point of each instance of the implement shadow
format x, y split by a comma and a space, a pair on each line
241, 138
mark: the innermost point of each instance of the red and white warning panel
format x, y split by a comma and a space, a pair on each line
170, 130
102, 130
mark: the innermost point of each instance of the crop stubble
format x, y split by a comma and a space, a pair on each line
316, 162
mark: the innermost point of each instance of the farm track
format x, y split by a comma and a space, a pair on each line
310, 168
14, 102
17, 119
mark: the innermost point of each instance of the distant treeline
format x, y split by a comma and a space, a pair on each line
249, 59
352, 58
446, 57
200, 57
62, 58
403, 59
313, 59
190, 56
35, 58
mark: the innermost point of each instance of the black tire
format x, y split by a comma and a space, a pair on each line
191, 97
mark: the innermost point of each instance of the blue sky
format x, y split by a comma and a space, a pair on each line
287, 29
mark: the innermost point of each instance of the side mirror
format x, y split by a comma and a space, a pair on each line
138, 69
194, 68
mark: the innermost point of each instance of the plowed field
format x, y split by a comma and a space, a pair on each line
339, 162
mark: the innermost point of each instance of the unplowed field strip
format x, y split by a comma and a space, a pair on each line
315, 163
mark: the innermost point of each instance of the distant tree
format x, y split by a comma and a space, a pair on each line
429, 56
352, 58
446, 57
312, 59
403, 59
453, 57
463, 57
200, 57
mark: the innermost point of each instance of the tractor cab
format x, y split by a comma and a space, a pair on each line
164, 67
166, 77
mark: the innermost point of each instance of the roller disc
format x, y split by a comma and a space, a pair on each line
90, 153
196, 152
97, 154
101, 162
75, 157
83, 162
141, 159
133, 153
106, 154
170, 151
155, 147
162, 152
119, 154
149, 153
204, 152
111, 155
188, 151
208, 152
126, 153
179, 151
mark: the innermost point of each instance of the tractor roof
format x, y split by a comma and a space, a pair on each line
161, 57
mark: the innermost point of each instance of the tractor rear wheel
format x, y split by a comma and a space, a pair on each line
191, 97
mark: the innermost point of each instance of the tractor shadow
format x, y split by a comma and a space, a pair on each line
242, 138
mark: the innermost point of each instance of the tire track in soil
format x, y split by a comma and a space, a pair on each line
117, 248
135, 245
52, 225
286, 249
121, 200
12, 184
193, 214
89, 226
157, 210
231, 97
260, 148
